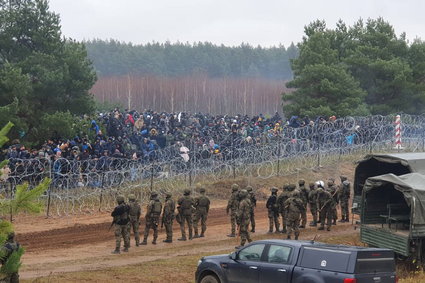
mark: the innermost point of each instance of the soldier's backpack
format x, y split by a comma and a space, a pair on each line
203, 202
186, 206
134, 208
157, 207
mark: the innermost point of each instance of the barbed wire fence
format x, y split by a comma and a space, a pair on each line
90, 186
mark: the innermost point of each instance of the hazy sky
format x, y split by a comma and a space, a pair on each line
231, 22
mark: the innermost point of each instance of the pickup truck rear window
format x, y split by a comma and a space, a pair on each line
375, 261
325, 259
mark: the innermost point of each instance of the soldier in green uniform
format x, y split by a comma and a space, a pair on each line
9, 247
304, 197
232, 207
312, 200
283, 196
202, 206
324, 203
253, 200
332, 189
121, 222
168, 217
134, 214
153, 212
243, 215
185, 208
294, 207
273, 211
344, 192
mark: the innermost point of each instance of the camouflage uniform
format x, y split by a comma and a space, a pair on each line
324, 203
185, 208
253, 205
312, 200
168, 217
294, 207
283, 196
273, 211
243, 215
121, 224
232, 207
9, 247
304, 197
333, 190
153, 212
202, 206
135, 212
344, 198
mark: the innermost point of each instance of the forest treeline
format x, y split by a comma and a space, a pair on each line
115, 58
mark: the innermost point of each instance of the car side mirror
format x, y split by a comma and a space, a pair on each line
233, 256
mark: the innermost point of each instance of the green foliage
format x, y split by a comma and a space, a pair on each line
357, 70
13, 263
112, 58
3, 133
40, 72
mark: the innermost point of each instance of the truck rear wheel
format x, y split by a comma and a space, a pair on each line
210, 279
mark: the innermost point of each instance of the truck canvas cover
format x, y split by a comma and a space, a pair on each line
379, 164
412, 186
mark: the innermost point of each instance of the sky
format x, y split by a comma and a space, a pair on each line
229, 22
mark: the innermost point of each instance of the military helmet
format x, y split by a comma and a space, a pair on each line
10, 235
291, 187
235, 187
343, 178
168, 195
330, 182
154, 194
131, 197
198, 186
243, 193
301, 182
274, 190
311, 185
249, 189
285, 187
120, 199
202, 190
186, 192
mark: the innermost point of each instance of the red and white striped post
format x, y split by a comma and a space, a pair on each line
397, 132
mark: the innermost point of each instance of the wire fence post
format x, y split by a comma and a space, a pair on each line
151, 187
278, 156
48, 204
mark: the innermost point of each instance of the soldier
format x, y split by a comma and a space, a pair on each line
153, 212
121, 221
294, 207
312, 200
232, 207
243, 215
324, 203
273, 211
168, 217
9, 247
344, 198
333, 190
304, 197
283, 196
135, 212
185, 208
202, 206
253, 205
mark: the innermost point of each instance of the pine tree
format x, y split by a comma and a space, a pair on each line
26, 200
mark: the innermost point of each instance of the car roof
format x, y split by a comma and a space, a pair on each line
300, 244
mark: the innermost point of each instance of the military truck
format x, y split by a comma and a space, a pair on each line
393, 214
379, 164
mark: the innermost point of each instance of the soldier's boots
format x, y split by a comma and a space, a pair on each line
181, 239
116, 251
196, 235
125, 249
302, 226
232, 235
253, 229
313, 224
168, 241
283, 231
145, 242
341, 220
328, 229
321, 228
334, 222
296, 237
288, 237
202, 235
154, 242
270, 231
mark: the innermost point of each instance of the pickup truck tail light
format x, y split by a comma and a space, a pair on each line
396, 279
350, 280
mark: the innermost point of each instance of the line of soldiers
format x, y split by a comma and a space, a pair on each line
191, 211
291, 205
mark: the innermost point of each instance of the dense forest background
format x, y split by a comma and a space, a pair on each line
191, 77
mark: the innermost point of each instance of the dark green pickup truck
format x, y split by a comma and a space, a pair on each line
393, 214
